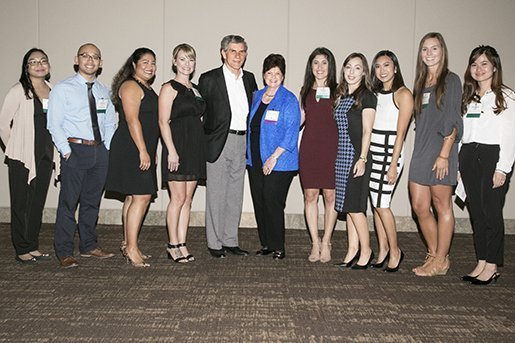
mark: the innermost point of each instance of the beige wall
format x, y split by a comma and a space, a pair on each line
290, 27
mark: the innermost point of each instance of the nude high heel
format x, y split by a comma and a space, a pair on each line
438, 266
315, 251
325, 253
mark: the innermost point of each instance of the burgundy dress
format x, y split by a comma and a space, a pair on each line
319, 144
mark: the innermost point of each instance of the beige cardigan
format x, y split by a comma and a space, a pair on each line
18, 111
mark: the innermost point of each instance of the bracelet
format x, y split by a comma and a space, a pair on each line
364, 159
445, 158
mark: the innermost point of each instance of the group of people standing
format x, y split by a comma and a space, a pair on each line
352, 150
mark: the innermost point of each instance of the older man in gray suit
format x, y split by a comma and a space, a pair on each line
227, 91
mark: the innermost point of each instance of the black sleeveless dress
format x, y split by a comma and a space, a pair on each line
187, 135
124, 175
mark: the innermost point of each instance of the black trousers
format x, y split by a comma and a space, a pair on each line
27, 203
269, 197
477, 167
83, 178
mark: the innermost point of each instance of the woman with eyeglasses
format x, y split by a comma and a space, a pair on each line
29, 151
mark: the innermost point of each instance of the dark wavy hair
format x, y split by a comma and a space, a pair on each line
272, 61
309, 78
343, 88
471, 86
421, 73
126, 72
398, 80
25, 80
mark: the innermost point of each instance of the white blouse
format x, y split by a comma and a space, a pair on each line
482, 125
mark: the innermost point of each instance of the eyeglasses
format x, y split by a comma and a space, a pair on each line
86, 56
34, 63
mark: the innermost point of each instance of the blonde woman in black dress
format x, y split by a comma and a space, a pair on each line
183, 163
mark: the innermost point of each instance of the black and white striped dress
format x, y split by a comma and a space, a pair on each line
384, 134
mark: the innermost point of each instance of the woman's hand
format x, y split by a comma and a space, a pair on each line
144, 160
173, 161
441, 167
498, 179
392, 174
359, 168
269, 165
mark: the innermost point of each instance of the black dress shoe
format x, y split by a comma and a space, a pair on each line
348, 264
396, 268
379, 265
468, 278
235, 251
362, 267
218, 253
264, 252
492, 278
278, 255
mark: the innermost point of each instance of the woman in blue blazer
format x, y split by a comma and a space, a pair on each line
272, 154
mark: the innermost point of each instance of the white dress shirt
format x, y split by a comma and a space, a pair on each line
237, 99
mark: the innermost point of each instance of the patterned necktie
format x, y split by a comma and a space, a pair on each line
93, 112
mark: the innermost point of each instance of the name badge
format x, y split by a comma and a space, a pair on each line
425, 99
196, 93
271, 116
44, 102
102, 105
323, 93
474, 110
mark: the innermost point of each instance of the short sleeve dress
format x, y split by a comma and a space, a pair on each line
319, 144
356, 189
432, 124
187, 135
124, 175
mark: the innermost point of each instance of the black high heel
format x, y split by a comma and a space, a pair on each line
189, 257
350, 263
362, 267
468, 278
396, 268
492, 278
379, 265
171, 249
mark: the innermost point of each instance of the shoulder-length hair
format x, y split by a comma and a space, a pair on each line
398, 80
343, 88
309, 78
188, 50
126, 72
421, 73
25, 80
471, 86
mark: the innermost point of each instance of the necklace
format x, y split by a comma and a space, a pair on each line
269, 95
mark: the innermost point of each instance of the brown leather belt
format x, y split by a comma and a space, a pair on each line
238, 132
83, 141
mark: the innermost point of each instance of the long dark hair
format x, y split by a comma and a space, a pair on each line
471, 86
421, 73
25, 80
343, 88
398, 80
126, 72
309, 78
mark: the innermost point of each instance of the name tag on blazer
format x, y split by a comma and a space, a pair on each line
271, 116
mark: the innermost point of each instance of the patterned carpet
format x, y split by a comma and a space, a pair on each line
249, 299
